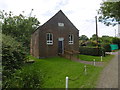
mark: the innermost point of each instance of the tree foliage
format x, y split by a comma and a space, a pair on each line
116, 41
13, 56
106, 39
20, 27
109, 13
94, 37
16, 33
83, 37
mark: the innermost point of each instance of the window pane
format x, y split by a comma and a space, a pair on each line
69, 37
50, 36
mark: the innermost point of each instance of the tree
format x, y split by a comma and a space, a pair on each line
106, 39
109, 13
116, 40
84, 38
20, 27
94, 37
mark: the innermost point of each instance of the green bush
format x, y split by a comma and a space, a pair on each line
13, 56
107, 47
91, 43
116, 41
25, 78
91, 51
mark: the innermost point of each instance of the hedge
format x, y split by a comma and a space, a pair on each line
91, 51
116, 41
107, 47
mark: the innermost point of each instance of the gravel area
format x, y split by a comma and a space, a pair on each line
109, 75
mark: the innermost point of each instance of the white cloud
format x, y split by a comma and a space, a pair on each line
81, 12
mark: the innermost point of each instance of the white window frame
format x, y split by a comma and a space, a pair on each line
49, 42
71, 39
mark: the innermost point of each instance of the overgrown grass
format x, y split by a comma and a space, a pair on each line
54, 71
97, 58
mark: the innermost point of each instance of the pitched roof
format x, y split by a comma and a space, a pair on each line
57, 14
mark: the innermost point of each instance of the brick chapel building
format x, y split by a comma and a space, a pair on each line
54, 37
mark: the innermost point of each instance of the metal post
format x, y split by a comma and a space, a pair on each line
85, 70
66, 83
103, 54
94, 62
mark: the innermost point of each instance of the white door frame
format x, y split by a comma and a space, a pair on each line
62, 39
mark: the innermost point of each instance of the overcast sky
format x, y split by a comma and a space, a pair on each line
80, 12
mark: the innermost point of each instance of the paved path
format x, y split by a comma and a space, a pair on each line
109, 75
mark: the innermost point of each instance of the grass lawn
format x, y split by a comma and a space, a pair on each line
55, 70
97, 58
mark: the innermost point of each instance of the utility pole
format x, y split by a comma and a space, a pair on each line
97, 35
96, 30
115, 32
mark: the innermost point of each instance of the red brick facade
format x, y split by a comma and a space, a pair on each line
60, 27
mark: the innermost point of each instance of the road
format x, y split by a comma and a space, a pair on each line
109, 75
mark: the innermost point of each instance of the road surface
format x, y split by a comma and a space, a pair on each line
109, 75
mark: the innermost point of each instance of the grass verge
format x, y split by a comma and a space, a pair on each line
97, 58
54, 71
